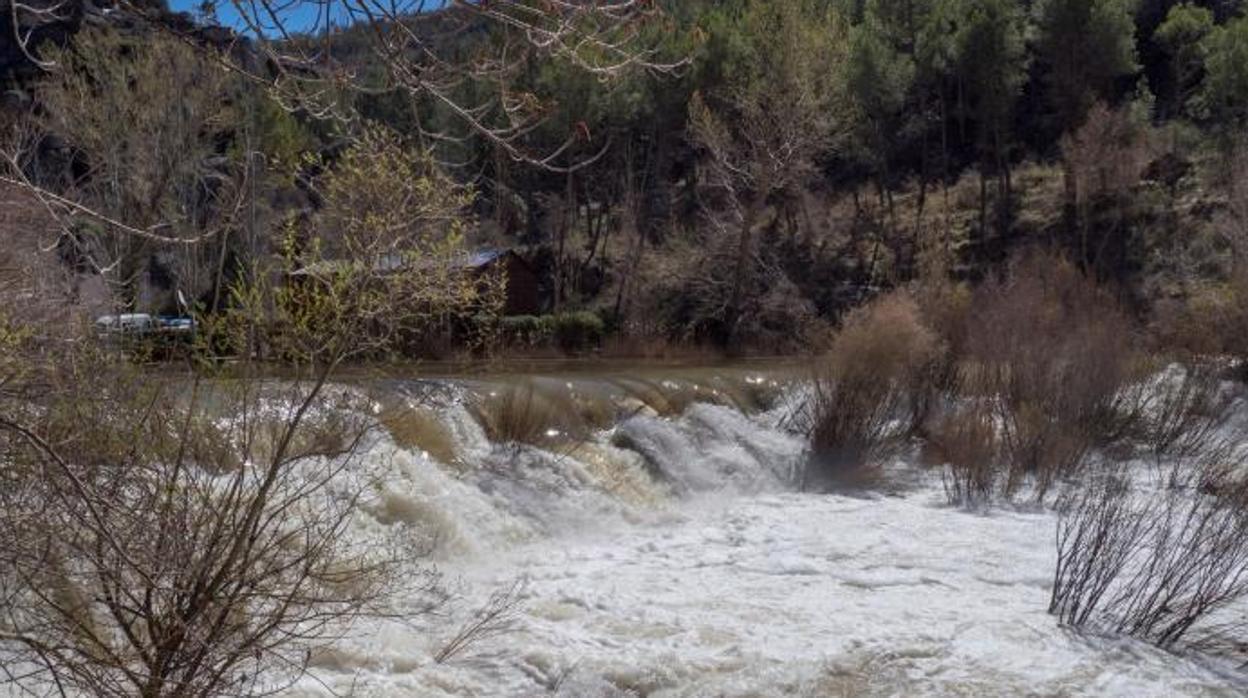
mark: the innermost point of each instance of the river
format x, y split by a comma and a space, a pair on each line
655, 547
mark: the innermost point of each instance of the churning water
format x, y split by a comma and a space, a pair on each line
657, 549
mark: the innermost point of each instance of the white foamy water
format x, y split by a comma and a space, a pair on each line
667, 556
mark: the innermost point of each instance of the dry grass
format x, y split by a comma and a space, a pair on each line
418, 429
523, 414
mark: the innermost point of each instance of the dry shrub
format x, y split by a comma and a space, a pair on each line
143, 555
1211, 320
861, 401
1107, 155
499, 616
1154, 565
1051, 351
1184, 411
946, 309
1233, 322
967, 444
1194, 325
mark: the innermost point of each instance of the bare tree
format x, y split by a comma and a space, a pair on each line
188, 534
304, 52
137, 120
762, 136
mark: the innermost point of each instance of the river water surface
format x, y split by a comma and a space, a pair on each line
656, 547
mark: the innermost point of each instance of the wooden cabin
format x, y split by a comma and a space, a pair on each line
524, 296
522, 284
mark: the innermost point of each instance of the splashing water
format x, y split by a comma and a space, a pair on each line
666, 554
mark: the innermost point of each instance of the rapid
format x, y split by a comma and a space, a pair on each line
642, 538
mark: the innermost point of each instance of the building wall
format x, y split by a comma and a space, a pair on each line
523, 290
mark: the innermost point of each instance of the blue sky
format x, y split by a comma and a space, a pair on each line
298, 15
302, 14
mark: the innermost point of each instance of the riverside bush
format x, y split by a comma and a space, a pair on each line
1050, 350
576, 331
863, 388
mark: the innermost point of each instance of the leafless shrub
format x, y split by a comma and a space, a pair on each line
175, 534
181, 537
1185, 412
861, 393
1098, 534
946, 308
1051, 351
1153, 565
967, 444
497, 617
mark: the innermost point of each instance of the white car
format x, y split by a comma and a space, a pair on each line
127, 323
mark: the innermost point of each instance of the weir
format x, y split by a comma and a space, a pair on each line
515, 456
644, 535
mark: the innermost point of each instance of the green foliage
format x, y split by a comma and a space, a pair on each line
900, 21
1182, 37
781, 102
386, 197
576, 330
280, 136
878, 78
935, 50
1225, 90
570, 331
1085, 45
375, 272
522, 329
991, 60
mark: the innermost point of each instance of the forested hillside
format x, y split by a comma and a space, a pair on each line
735, 174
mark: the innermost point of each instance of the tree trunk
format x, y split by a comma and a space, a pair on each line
744, 244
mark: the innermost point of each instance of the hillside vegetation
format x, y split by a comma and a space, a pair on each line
713, 186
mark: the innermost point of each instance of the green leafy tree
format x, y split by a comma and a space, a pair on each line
877, 81
902, 21
990, 62
762, 133
1225, 89
1182, 37
935, 59
1085, 46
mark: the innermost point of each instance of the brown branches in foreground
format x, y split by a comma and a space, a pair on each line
180, 537
496, 617
458, 59
189, 532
